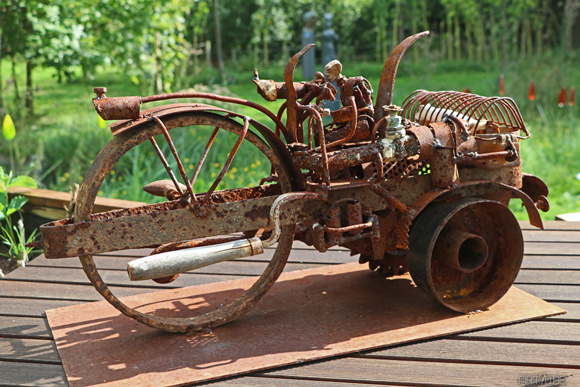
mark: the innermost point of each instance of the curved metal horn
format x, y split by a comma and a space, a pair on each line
387, 83
291, 119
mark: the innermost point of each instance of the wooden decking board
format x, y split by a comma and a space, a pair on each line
420, 372
546, 262
555, 277
484, 352
556, 332
551, 293
495, 356
258, 381
31, 327
31, 350
556, 236
25, 374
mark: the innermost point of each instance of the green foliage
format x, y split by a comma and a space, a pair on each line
13, 236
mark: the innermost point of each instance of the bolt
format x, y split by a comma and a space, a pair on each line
100, 91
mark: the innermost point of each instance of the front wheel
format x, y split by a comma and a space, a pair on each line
185, 316
466, 254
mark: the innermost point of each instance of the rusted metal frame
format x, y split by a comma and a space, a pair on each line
454, 101
221, 98
158, 226
457, 122
204, 155
387, 82
484, 156
477, 188
165, 164
515, 114
336, 238
466, 101
353, 124
323, 152
380, 168
228, 162
350, 228
411, 103
177, 159
310, 119
391, 200
486, 105
276, 211
291, 112
279, 116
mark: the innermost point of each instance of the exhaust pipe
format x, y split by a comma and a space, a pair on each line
180, 261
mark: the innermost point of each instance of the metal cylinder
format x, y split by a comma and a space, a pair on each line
179, 261
462, 251
118, 108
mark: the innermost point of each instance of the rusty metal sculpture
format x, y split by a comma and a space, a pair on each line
423, 188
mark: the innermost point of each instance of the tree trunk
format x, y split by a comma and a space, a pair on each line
29, 88
15, 79
469, 41
570, 12
457, 38
218, 38
395, 37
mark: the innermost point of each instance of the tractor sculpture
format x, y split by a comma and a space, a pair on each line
422, 188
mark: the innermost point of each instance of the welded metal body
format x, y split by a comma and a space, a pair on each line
407, 188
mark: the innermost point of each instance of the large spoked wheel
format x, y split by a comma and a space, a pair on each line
466, 254
102, 167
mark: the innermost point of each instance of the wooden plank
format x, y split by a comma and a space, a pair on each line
258, 381
26, 307
551, 262
553, 331
32, 350
552, 225
551, 236
417, 373
551, 293
490, 352
31, 374
24, 327
572, 312
555, 277
57, 291
550, 248
58, 200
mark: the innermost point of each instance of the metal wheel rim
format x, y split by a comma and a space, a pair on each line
101, 167
460, 291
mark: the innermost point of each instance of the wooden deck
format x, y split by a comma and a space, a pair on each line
514, 355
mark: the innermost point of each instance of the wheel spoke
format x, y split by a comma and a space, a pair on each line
166, 164
204, 155
177, 159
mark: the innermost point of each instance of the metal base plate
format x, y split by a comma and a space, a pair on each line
307, 315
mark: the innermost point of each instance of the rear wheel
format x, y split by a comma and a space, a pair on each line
466, 254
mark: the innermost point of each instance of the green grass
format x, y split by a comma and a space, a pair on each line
59, 143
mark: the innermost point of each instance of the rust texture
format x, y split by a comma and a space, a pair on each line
423, 188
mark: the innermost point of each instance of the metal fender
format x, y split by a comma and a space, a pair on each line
477, 189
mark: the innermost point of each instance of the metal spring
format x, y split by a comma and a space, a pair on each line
425, 107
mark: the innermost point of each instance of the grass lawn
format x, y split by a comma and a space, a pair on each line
59, 143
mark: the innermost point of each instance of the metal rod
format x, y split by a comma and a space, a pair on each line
174, 151
166, 165
204, 155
